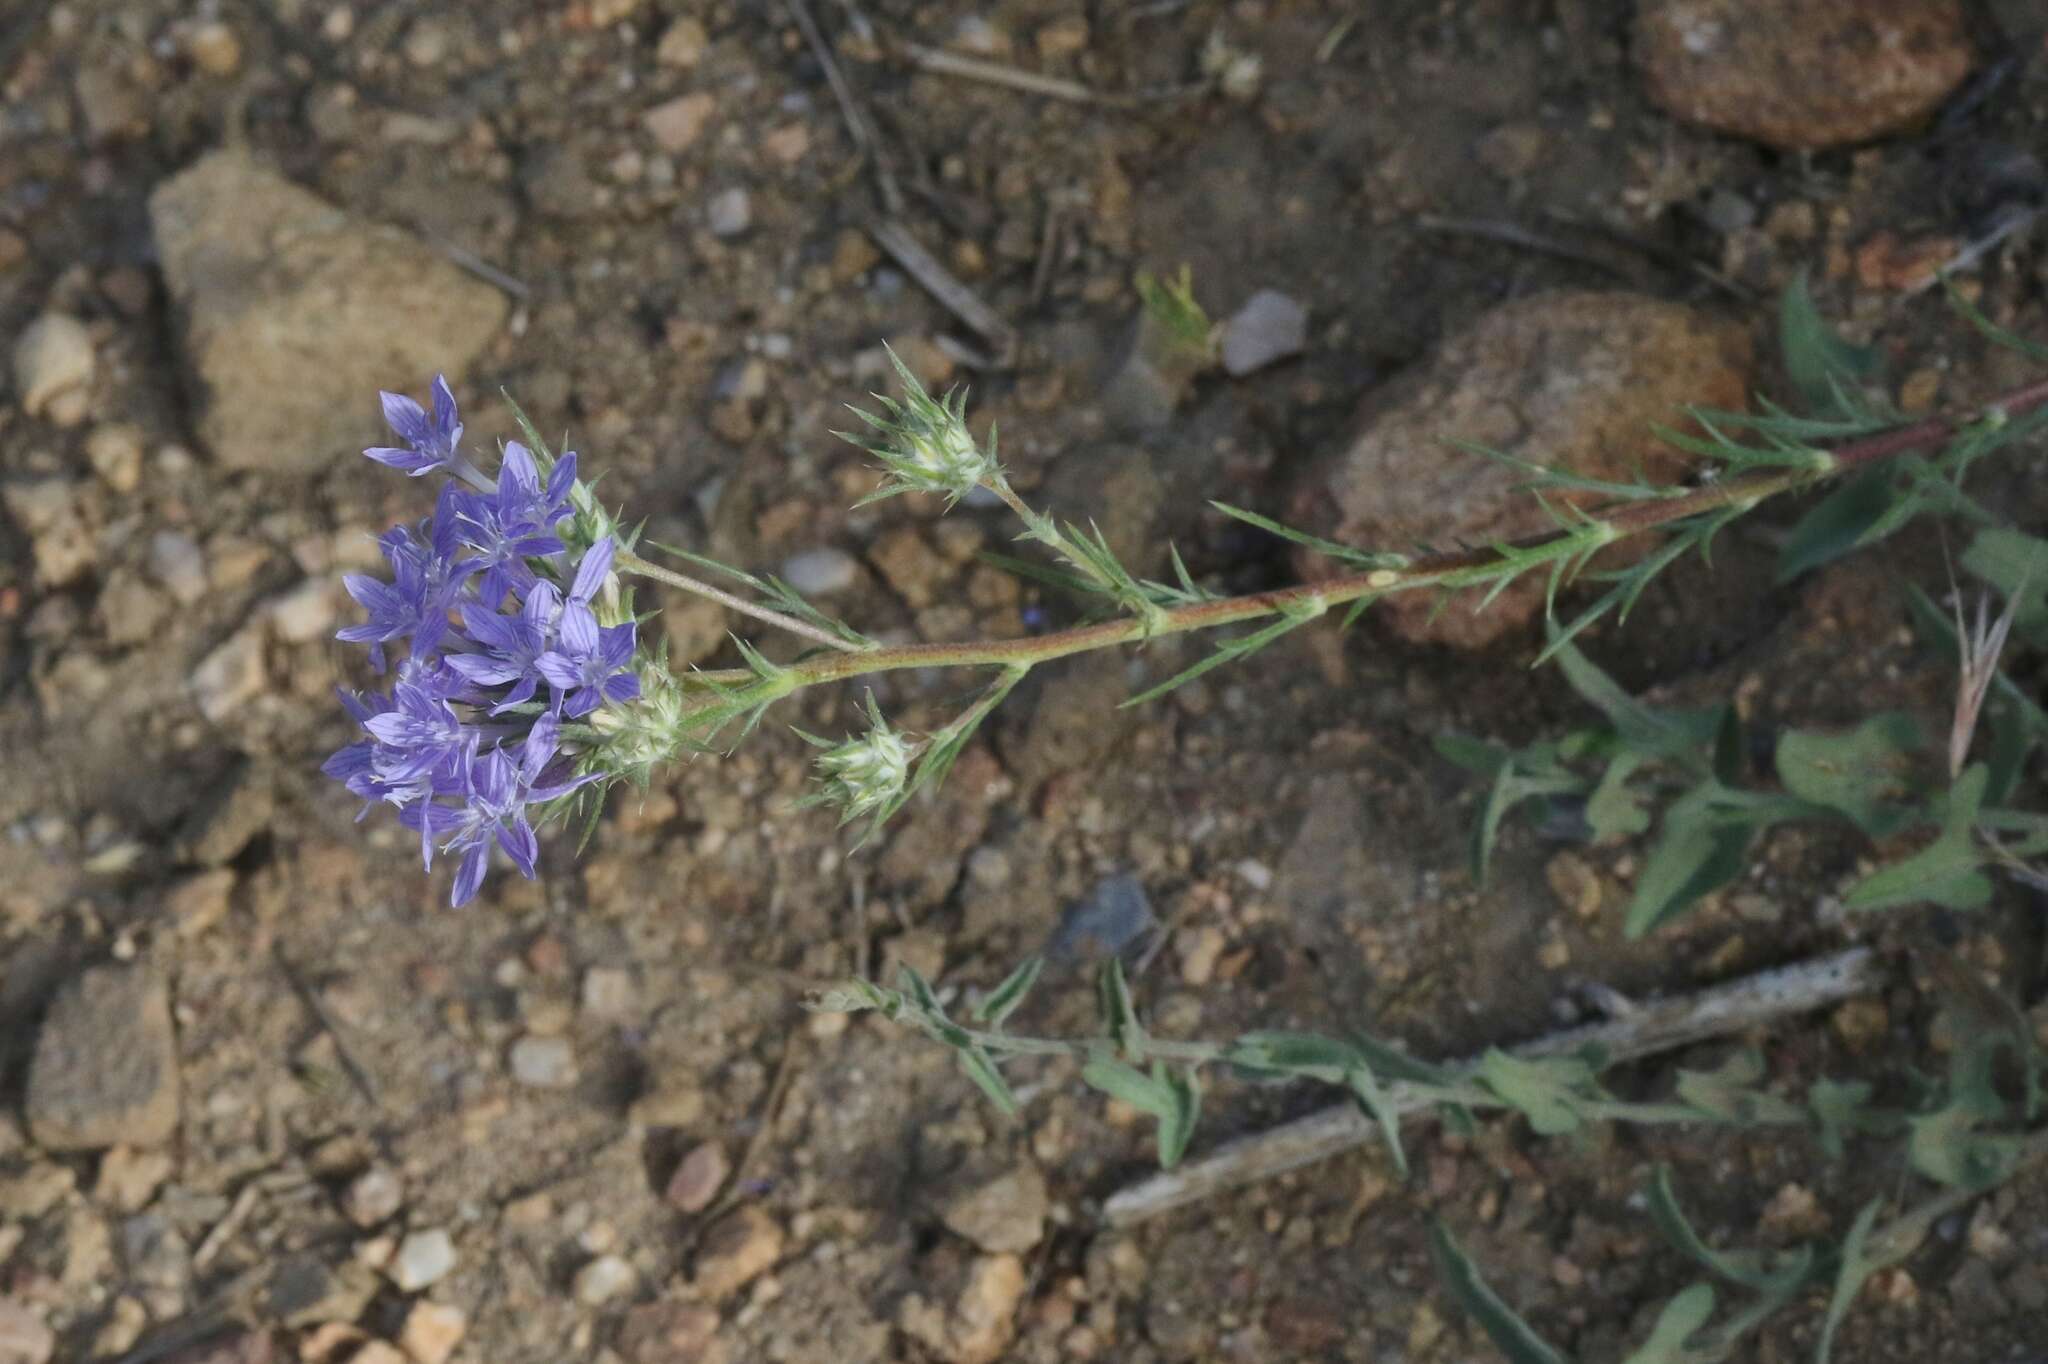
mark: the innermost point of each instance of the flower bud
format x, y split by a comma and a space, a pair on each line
924, 442
865, 774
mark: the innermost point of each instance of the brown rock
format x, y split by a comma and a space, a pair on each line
982, 1320
670, 1333
1568, 380
1802, 74
293, 314
128, 1179
738, 1250
431, 1332
1006, 1214
678, 123
24, 1339
106, 1064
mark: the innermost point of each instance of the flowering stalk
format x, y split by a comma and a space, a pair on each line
495, 614
1450, 569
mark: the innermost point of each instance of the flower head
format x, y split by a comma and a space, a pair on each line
430, 439
862, 775
485, 608
924, 442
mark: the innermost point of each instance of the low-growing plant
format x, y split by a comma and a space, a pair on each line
522, 691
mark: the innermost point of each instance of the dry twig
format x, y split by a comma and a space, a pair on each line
1654, 1027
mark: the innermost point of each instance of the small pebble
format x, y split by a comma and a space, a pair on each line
214, 49
603, 1279
115, 451
729, 213
373, 1196
431, 1332
682, 44
53, 358
175, 559
304, 613
24, 1339
821, 572
424, 1258
610, 994
1270, 327
698, 1179
544, 1062
677, 124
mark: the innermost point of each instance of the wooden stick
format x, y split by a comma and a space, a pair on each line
1654, 1027
946, 63
892, 236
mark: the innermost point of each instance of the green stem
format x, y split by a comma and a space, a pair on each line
629, 562
1452, 567
1046, 531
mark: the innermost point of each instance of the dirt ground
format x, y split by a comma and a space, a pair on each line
597, 1091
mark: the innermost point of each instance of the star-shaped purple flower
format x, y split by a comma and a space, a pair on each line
515, 523
497, 792
512, 645
425, 580
430, 438
589, 664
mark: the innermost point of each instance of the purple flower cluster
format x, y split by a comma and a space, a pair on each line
460, 744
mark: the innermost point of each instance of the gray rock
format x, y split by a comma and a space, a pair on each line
1007, 1214
238, 807
105, 1071
292, 314
610, 994
424, 1258
1269, 328
303, 1290
1106, 920
729, 213
821, 572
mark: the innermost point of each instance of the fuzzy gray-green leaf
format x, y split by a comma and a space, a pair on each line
1761, 1270
1849, 1277
1547, 1091
1821, 365
1002, 1001
1698, 852
1852, 772
1119, 1015
1514, 1337
982, 1070
1678, 1323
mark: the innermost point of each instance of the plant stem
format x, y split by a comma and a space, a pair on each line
629, 562
1622, 520
1629, 518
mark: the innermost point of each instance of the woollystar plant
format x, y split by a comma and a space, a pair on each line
517, 688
